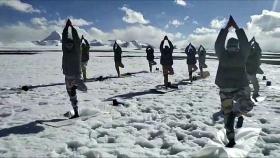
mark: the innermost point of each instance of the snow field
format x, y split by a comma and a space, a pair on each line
174, 124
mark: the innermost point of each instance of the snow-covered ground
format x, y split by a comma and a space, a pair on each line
174, 124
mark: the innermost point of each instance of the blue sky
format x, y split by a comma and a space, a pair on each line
168, 16
106, 14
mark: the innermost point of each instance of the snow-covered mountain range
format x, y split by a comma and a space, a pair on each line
54, 39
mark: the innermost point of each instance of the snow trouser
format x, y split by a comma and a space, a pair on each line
201, 66
253, 79
191, 68
117, 66
72, 83
84, 69
151, 63
234, 102
167, 70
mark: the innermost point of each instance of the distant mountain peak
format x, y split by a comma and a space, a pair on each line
53, 36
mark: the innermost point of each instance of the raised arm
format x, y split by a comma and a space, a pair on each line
119, 48
258, 49
203, 48
220, 42
243, 43
152, 49
187, 49
253, 40
161, 46
87, 44
193, 48
65, 34
115, 46
65, 30
199, 49
170, 45
75, 35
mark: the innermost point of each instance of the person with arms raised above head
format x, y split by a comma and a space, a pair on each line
191, 60
85, 57
232, 78
253, 66
166, 60
201, 59
118, 57
71, 64
150, 56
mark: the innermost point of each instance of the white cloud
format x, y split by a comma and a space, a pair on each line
275, 5
22, 32
218, 24
195, 22
204, 30
42, 21
176, 23
186, 18
75, 22
133, 17
80, 22
38, 29
265, 27
95, 33
39, 21
154, 35
135, 32
19, 6
267, 21
181, 2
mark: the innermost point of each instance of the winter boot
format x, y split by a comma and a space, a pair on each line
76, 113
231, 143
169, 84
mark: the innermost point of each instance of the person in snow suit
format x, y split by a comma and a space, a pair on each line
150, 56
71, 64
191, 60
201, 59
253, 66
232, 78
166, 60
118, 57
85, 56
